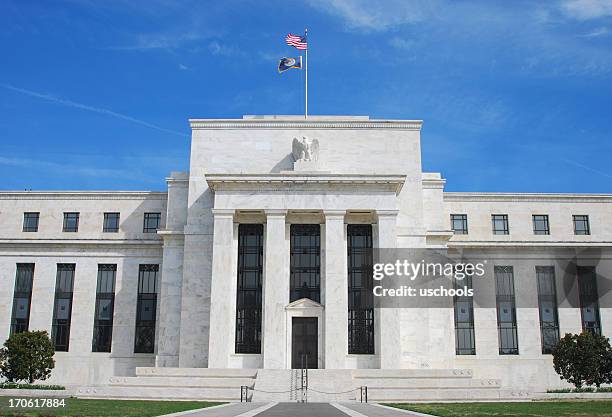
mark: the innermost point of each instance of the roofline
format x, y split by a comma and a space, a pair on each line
298, 122
551, 197
84, 195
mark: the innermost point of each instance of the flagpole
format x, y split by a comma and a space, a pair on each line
306, 77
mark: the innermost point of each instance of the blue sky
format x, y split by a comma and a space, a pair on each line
516, 96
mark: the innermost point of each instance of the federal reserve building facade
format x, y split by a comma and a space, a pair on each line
257, 262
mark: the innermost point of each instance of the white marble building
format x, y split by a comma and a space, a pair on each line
246, 262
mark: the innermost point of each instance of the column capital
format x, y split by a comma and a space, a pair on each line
386, 213
275, 212
334, 213
218, 213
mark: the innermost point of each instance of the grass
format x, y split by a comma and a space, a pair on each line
527, 409
105, 408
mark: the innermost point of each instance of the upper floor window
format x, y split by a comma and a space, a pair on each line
30, 222
581, 225
305, 262
540, 224
71, 222
151, 222
500, 224
459, 224
111, 223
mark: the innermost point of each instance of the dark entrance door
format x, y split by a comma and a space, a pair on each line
304, 343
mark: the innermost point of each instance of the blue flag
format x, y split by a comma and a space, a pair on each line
287, 63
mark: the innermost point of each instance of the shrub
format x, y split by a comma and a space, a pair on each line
583, 359
27, 356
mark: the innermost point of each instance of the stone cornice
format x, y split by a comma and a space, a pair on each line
199, 124
528, 197
296, 180
83, 195
526, 243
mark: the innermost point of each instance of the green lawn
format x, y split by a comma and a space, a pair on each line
106, 408
530, 409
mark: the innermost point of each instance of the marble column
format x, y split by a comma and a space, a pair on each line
336, 291
389, 318
168, 335
221, 313
275, 291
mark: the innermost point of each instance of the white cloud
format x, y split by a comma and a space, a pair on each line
377, 15
73, 104
587, 9
217, 48
603, 31
183, 67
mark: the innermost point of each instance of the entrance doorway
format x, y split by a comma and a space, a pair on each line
304, 342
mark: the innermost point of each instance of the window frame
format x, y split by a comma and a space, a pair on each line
65, 324
249, 315
552, 328
536, 219
101, 326
506, 224
107, 219
593, 298
464, 223
76, 216
147, 218
22, 325
509, 297
584, 219
141, 325
311, 234
361, 318
26, 216
464, 330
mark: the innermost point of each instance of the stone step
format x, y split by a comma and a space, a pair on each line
412, 373
416, 395
160, 393
429, 383
180, 381
197, 372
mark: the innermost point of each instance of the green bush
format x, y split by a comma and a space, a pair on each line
27, 356
583, 359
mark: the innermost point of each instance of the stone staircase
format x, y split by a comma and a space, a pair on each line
175, 383
284, 385
431, 385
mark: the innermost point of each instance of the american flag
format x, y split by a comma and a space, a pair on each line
297, 41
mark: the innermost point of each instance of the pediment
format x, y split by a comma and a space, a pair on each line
303, 303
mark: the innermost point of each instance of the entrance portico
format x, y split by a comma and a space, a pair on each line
279, 201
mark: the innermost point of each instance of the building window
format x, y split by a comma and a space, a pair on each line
540, 224
62, 307
151, 222
506, 310
146, 309
30, 222
111, 223
105, 305
589, 299
360, 298
71, 222
500, 224
305, 270
547, 304
465, 341
459, 224
581, 225
249, 295
22, 298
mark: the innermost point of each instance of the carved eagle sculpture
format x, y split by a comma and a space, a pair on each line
305, 149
